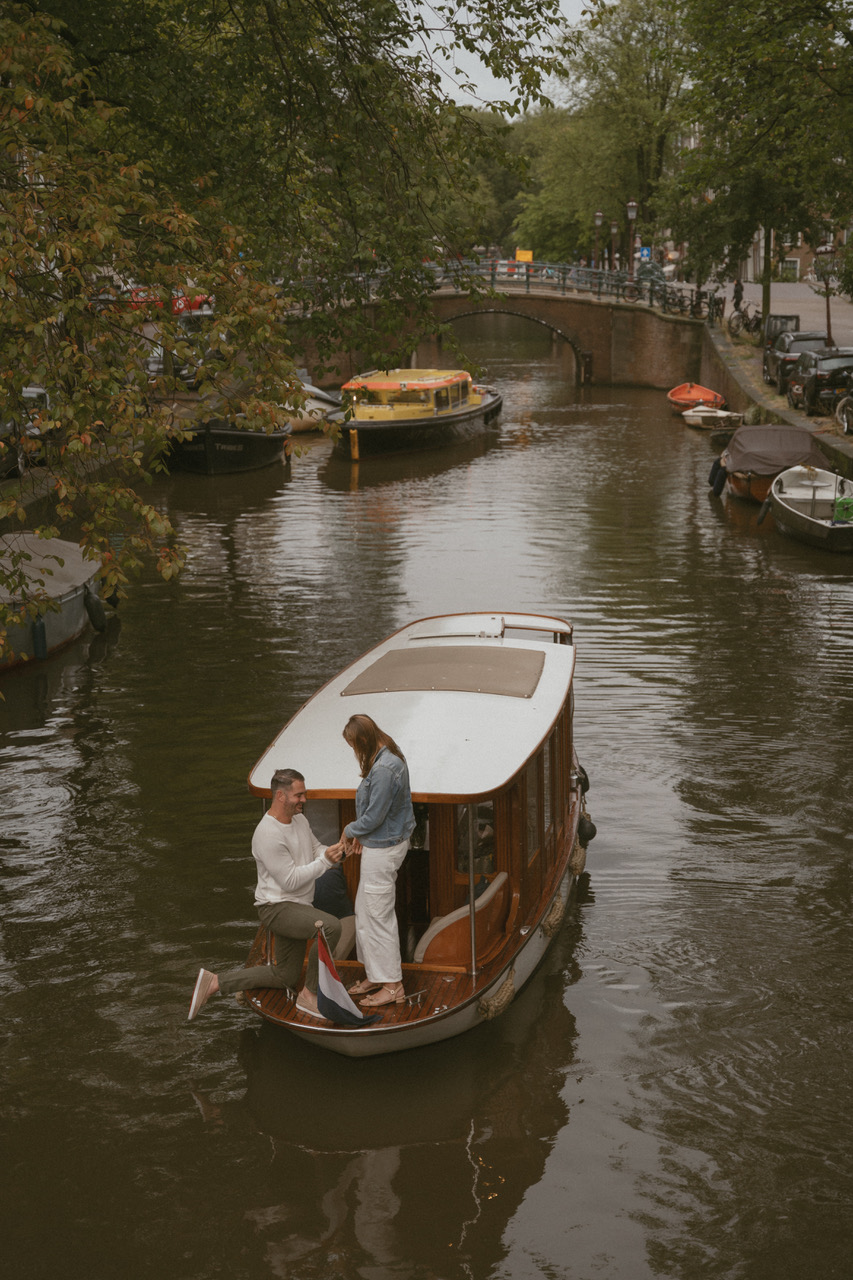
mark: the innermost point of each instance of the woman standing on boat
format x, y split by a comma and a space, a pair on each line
384, 821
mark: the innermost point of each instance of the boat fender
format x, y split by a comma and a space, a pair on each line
554, 918
765, 507
95, 609
39, 639
577, 859
587, 830
714, 472
720, 481
583, 778
490, 1006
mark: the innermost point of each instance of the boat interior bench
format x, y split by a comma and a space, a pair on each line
817, 509
447, 941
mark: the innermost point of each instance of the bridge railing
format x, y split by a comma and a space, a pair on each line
647, 286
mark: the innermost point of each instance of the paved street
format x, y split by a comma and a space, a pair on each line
800, 300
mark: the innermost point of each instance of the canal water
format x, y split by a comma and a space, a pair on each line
669, 1097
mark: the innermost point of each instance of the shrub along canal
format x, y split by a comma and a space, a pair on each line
670, 1095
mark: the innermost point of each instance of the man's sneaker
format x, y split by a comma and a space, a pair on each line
204, 989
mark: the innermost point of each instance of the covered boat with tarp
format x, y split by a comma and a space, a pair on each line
55, 599
758, 452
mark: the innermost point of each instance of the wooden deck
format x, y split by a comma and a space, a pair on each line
432, 991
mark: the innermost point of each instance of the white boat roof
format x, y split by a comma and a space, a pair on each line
41, 565
467, 697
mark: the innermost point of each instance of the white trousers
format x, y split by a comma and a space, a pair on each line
377, 938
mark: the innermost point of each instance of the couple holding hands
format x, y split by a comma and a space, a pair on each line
290, 860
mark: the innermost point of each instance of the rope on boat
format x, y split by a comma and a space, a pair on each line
554, 918
491, 1006
577, 861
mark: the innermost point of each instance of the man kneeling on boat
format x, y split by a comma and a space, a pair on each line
290, 860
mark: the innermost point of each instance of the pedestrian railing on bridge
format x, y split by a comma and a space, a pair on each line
647, 286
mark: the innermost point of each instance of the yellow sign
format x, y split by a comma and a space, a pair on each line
524, 255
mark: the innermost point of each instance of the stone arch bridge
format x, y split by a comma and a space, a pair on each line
612, 341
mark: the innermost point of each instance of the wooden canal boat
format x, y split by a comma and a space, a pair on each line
395, 409
481, 704
814, 506
220, 448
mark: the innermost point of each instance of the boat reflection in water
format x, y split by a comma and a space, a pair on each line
345, 476
417, 1162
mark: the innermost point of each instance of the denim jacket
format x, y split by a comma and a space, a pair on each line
383, 804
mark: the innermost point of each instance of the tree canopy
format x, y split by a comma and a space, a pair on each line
771, 103
622, 79
272, 155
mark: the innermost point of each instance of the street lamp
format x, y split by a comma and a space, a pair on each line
614, 231
632, 218
599, 218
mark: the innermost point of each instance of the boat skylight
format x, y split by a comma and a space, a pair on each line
512, 673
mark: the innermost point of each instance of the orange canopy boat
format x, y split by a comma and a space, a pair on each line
689, 394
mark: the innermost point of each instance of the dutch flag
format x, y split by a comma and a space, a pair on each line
333, 1000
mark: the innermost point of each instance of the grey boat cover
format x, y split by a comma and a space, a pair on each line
43, 569
768, 448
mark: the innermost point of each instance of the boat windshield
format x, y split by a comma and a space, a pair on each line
366, 395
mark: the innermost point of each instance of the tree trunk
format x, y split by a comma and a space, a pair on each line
766, 273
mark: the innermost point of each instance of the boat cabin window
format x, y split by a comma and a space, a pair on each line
442, 399
410, 397
464, 391
454, 395
475, 829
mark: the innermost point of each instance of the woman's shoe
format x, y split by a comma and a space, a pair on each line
362, 988
390, 993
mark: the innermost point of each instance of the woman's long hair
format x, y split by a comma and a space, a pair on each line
367, 740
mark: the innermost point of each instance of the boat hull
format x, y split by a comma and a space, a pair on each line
359, 438
688, 395
802, 500
72, 589
747, 485
702, 419
216, 450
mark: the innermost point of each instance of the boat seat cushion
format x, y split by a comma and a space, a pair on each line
448, 938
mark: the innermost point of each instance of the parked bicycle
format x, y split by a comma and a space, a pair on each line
745, 321
844, 410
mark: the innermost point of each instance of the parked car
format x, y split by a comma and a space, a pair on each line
818, 378
780, 359
776, 324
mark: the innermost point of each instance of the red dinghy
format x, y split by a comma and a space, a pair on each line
689, 394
